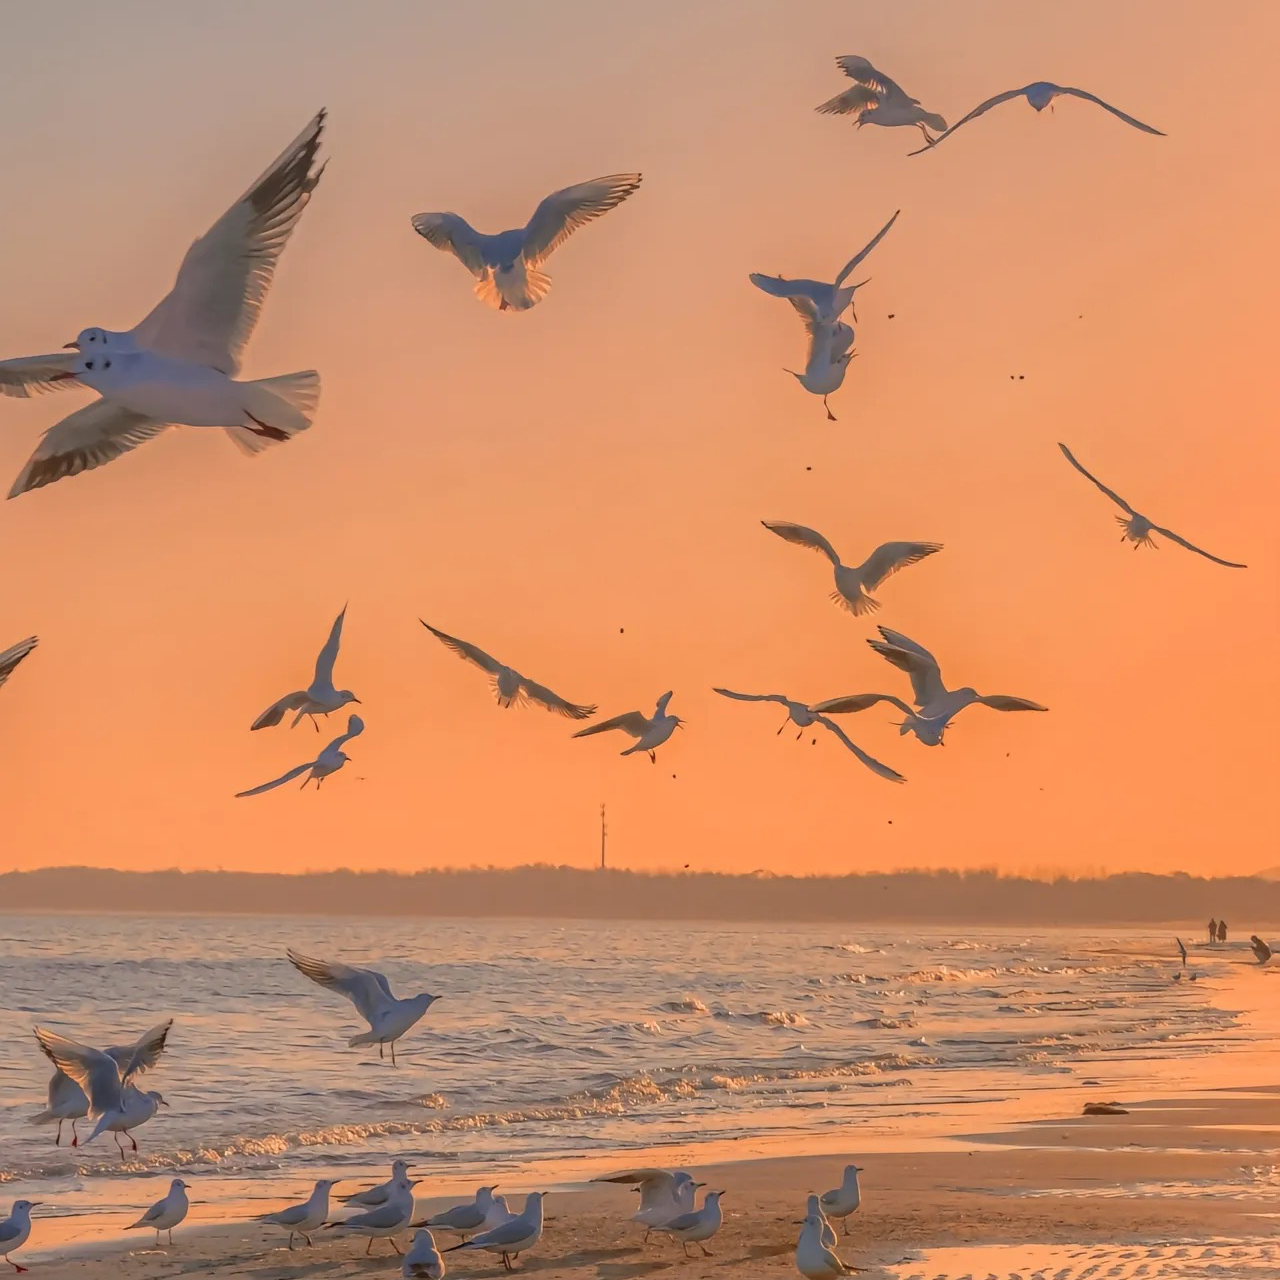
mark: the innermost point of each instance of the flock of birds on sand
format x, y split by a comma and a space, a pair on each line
180, 366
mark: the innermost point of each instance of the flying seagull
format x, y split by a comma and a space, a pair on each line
1039, 95
330, 760
320, 698
506, 265
202, 326
1137, 528
370, 992
664, 1194
827, 357
649, 732
854, 584
875, 99
508, 684
10, 657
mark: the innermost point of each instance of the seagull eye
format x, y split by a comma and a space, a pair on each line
106, 364
88, 364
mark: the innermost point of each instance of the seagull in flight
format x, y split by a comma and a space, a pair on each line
649, 732
107, 1081
829, 352
197, 331
664, 1194
1039, 95
10, 657
330, 760
1137, 528
854, 584
875, 99
506, 265
804, 716
508, 684
320, 698
370, 992
830, 301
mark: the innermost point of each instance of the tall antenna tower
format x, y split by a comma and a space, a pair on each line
604, 831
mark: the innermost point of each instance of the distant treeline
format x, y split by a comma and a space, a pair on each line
977, 897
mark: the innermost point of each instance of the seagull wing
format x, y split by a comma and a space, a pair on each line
802, 536
279, 782
752, 697
464, 649
143, 1054
1168, 533
887, 559
980, 109
632, 1176
367, 989
916, 661
563, 212
806, 308
1115, 111
329, 654
13, 655
275, 712
852, 101
859, 69
858, 702
554, 702
210, 313
31, 375
454, 234
94, 1071
870, 761
1111, 493
866, 249
88, 438
355, 727
781, 287
1003, 702
633, 722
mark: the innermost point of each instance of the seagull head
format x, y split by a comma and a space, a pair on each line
99, 370
25, 1206
90, 340
156, 1098
345, 696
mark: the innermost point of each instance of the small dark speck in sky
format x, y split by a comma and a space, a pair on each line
892, 314
808, 468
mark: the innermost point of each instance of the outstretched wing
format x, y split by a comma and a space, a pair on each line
866, 249
94, 1071
88, 438
781, 287
554, 702
367, 989
275, 712
1182, 542
887, 559
1115, 111
859, 702
143, 1054
633, 722
355, 727
329, 654
860, 98
453, 234
751, 697
859, 69
13, 655
563, 212
802, 536
870, 761
464, 649
1111, 493
278, 782
1003, 702
916, 661
29, 376
210, 313
981, 109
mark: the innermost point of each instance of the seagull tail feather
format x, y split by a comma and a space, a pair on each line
280, 406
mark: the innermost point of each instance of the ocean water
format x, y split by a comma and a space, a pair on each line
555, 1039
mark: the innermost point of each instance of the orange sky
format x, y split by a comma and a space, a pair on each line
534, 483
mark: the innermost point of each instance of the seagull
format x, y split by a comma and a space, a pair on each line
385, 1221
510, 686
113, 1098
370, 992
1040, 95
320, 698
1183, 949
843, 1200
506, 265
513, 1237
875, 99
499, 1212
814, 1257
826, 1233
310, 1215
854, 584
830, 300
330, 760
1137, 528
167, 1212
464, 1218
937, 704
378, 1195
697, 1225
206, 320
804, 716
649, 732
827, 359
664, 1194
10, 657
15, 1229
423, 1260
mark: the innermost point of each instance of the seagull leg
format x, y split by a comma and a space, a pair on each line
368, 1249
653, 757
786, 722
170, 1235
13, 1264
75, 1137
315, 724
799, 735
119, 1144
831, 417
395, 1246
131, 1139
57, 1141
291, 1241
685, 1246
705, 1250
393, 1053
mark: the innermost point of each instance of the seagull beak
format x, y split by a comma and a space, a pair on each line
71, 346
163, 1103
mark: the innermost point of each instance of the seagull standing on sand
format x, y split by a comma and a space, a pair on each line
302, 1219
372, 1196
330, 760
423, 1260
815, 1259
1039, 95
511, 688
464, 1219
513, 1237
167, 1212
196, 335
843, 1200
15, 1229
10, 657
649, 732
506, 265
697, 1225
854, 584
664, 1194
875, 99
320, 698
830, 301
370, 992
826, 1233
114, 1100
1137, 528
385, 1221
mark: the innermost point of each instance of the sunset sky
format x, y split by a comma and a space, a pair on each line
579, 489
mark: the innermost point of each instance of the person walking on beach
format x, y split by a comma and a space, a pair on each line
1213, 929
1222, 931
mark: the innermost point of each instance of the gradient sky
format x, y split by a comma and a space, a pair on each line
536, 483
